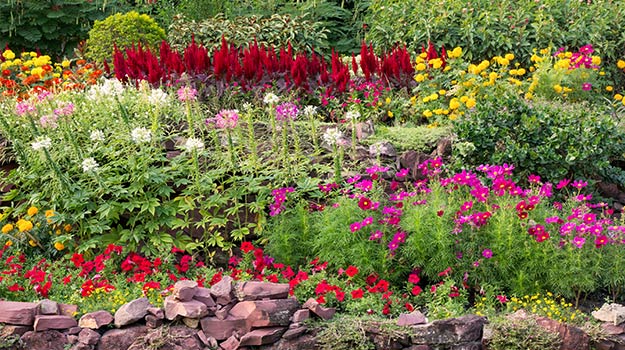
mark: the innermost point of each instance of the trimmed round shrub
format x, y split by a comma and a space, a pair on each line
123, 30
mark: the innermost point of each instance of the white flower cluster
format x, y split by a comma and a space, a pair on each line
158, 98
109, 88
141, 135
96, 136
352, 115
193, 144
310, 111
271, 99
89, 165
332, 136
41, 142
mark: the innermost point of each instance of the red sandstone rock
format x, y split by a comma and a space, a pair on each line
46, 340
262, 336
184, 290
153, 322
190, 309
46, 322
410, 319
157, 312
48, 307
132, 312
8, 330
80, 346
294, 332
572, 337
204, 295
325, 313
231, 343
17, 313
301, 315
96, 320
116, 339
223, 329
88, 336
266, 313
222, 311
222, 291
254, 290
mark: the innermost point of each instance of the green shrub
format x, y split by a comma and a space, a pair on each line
487, 28
277, 31
123, 30
522, 334
550, 139
55, 27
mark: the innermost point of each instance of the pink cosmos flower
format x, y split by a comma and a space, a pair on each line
487, 253
579, 241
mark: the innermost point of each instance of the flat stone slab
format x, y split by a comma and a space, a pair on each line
18, 313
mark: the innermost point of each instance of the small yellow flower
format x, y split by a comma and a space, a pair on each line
65, 63
470, 103
59, 246
419, 78
454, 103
456, 52
67, 227
509, 56
433, 96
427, 113
620, 64
618, 97
388, 100
7, 228
420, 66
390, 114
8, 243
32, 243
557, 88
609, 88
32, 211
49, 213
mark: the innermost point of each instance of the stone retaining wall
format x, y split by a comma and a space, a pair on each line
227, 316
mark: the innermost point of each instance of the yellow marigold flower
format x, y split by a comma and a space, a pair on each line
390, 114
609, 88
529, 96
419, 78
596, 60
413, 100
620, 64
423, 55
509, 56
536, 59
454, 103
67, 227
59, 246
453, 117
65, 63
24, 225
32, 211
568, 54
623, 101
473, 69
470, 103
442, 92
566, 89
38, 71
7, 228
503, 61
8, 243
434, 96
8, 54
57, 232
602, 73
49, 213
557, 88
464, 98
426, 99
521, 71
483, 65
420, 66
438, 111
456, 52
436, 63
544, 51
32, 243
388, 100
494, 75
427, 113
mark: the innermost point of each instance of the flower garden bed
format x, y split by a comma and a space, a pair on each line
378, 185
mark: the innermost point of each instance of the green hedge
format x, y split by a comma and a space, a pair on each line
277, 31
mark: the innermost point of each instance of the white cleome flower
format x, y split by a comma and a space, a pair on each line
109, 88
96, 135
193, 144
89, 164
41, 142
271, 99
352, 115
332, 136
158, 98
141, 135
310, 111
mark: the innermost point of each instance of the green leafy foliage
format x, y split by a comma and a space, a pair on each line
550, 139
122, 30
52, 26
275, 31
523, 333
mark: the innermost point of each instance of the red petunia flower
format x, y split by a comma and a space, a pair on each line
357, 294
351, 271
247, 247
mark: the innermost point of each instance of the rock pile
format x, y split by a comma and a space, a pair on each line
226, 316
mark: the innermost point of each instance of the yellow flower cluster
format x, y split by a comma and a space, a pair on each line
34, 229
546, 305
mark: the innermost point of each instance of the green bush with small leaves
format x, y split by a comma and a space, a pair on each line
122, 30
